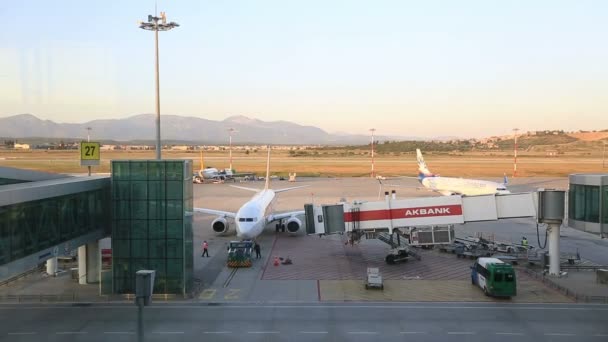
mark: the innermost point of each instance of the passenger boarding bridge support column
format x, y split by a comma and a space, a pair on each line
93, 262
51, 266
82, 265
551, 204
89, 263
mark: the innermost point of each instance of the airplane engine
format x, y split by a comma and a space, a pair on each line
293, 225
220, 225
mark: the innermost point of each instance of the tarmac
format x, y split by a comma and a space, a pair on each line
325, 269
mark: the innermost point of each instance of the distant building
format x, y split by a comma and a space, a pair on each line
18, 146
552, 153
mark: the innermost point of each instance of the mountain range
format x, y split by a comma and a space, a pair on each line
181, 128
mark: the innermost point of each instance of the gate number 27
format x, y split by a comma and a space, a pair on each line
89, 151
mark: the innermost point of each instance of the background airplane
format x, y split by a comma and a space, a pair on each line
212, 173
448, 186
251, 218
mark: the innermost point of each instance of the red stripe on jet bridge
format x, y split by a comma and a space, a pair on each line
404, 213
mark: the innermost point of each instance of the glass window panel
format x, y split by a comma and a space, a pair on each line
139, 248
156, 190
175, 248
120, 170
139, 170
124, 285
156, 209
122, 268
605, 205
17, 239
5, 236
121, 189
174, 190
174, 285
139, 210
175, 229
159, 265
47, 218
139, 264
156, 170
174, 170
592, 205
139, 229
175, 210
174, 268
122, 229
156, 229
571, 202
157, 248
82, 213
579, 202
122, 210
30, 232
139, 190
160, 285
121, 248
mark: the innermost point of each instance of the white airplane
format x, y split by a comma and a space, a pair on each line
253, 216
457, 186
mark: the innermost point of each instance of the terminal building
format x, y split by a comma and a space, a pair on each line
146, 207
588, 203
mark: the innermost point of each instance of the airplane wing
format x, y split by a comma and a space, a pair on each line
246, 188
402, 186
215, 212
276, 217
292, 188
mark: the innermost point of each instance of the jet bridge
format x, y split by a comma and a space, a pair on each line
391, 215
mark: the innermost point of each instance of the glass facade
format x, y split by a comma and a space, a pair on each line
152, 224
7, 181
584, 203
29, 227
605, 204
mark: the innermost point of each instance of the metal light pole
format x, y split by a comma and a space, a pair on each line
154, 25
89, 140
230, 131
515, 153
604, 155
373, 172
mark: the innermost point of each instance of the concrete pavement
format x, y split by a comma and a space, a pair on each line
309, 322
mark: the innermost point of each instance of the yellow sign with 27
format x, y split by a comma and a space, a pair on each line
89, 153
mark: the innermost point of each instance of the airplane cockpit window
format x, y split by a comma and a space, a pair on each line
249, 219
241, 219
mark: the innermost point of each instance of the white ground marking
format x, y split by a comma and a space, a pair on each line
119, 332
22, 333
558, 334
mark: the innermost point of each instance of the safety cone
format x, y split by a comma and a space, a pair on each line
276, 261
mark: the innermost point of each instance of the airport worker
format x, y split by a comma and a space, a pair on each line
256, 247
524, 242
205, 249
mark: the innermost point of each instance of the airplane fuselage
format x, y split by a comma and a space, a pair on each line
468, 187
251, 219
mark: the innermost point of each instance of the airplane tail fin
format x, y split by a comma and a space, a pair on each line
423, 171
266, 185
505, 181
202, 164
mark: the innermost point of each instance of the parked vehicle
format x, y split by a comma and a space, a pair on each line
494, 277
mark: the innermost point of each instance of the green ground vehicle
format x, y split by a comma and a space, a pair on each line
494, 277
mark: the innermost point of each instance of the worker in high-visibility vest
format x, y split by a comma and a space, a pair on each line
524, 242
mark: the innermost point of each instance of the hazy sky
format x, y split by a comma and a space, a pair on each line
426, 68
